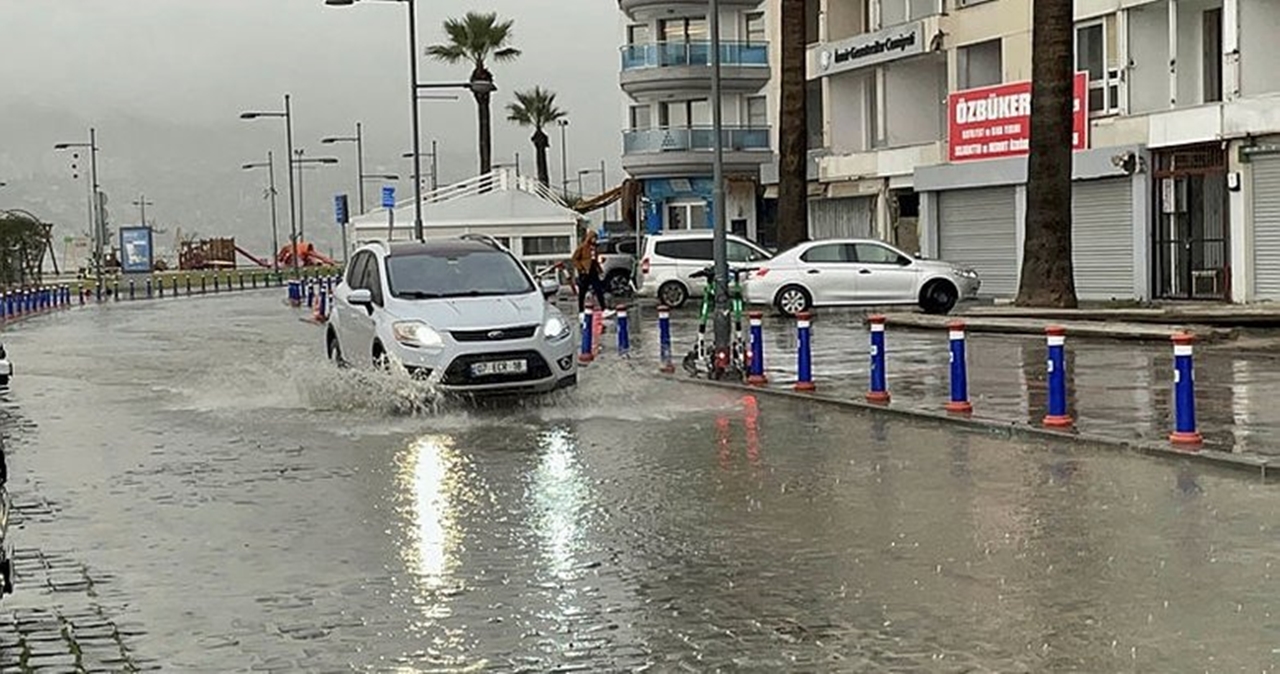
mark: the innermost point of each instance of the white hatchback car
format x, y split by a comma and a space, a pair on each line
671, 259
857, 272
6, 367
462, 311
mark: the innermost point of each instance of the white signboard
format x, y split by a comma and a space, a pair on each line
868, 49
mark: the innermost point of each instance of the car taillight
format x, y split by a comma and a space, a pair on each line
644, 266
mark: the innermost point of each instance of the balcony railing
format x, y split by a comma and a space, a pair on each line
666, 54
695, 139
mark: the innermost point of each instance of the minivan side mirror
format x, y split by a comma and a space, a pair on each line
550, 288
360, 297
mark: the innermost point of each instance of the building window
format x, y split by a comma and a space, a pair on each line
640, 117
687, 215
812, 21
979, 65
756, 31
1096, 55
547, 245
757, 112
638, 34
1212, 44
683, 30
680, 114
813, 110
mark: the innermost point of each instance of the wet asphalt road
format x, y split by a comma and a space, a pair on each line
197, 491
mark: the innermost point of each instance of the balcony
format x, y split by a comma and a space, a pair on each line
688, 151
645, 10
672, 67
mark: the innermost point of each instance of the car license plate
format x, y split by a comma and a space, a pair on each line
499, 367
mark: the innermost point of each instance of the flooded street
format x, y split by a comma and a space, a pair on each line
196, 489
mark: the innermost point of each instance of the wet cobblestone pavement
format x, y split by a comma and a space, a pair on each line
1116, 389
196, 490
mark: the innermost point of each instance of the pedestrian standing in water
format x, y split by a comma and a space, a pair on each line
586, 265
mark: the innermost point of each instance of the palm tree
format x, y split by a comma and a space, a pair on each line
793, 140
474, 39
1048, 279
536, 107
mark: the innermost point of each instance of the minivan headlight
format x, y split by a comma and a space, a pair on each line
416, 333
556, 328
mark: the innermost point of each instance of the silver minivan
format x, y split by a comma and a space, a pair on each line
671, 258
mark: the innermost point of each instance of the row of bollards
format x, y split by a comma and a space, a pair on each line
158, 287
1185, 432
18, 304
316, 293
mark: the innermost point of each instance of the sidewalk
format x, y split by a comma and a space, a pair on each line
1120, 390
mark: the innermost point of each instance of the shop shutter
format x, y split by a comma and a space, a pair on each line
978, 229
1102, 238
1266, 226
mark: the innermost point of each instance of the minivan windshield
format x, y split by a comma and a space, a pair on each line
456, 273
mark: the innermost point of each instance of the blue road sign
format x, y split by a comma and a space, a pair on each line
340, 209
388, 196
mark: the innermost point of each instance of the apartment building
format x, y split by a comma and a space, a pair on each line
918, 135
668, 139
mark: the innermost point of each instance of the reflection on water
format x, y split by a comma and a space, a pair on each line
560, 494
429, 484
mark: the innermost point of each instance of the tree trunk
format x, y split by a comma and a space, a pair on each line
484, 121
540, 145
1047, 276
793, 205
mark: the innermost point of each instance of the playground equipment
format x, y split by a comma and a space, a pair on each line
306, 253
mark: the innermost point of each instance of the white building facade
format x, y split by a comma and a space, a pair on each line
920, 128
668, 139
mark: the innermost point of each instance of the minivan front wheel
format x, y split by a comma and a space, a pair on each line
672, 294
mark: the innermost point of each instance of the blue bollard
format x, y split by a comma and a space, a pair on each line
203, 281
804, 354
588, 353
879, 391
664, 340
148, 287
755, 370
29, 300
322, 305
4, 308
959, 402
1184, 393
311, 295
116, 290
1056, 339
624, 331
188, 277
216, 285
132, 290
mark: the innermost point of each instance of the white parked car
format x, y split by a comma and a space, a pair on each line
857, 272
462, 309
671, 259
6, 367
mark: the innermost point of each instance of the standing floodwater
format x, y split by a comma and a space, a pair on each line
197, 490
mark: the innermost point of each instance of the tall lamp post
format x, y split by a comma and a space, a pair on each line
270, 166
719, 245
287, 115
142, 203
435, 165
358, 139
564, 155
95, 204
302, 162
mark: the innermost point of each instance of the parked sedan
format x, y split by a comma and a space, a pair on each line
857, 272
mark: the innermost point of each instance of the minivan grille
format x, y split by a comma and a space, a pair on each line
494, 335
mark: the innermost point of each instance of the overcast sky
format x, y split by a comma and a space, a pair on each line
165, 80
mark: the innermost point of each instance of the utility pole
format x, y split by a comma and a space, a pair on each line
564, 156
719, 246
142, 204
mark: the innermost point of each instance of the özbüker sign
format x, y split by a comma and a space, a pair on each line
993, 122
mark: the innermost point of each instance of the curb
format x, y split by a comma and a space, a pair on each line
1267, 468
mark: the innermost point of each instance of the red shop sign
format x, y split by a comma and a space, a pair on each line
993, 122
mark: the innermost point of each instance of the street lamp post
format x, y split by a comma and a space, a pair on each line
95, 205
564, 155
300, 162
719, 245
142, 203
270, 165
358, 139
288, 129
413, 104
435, 165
